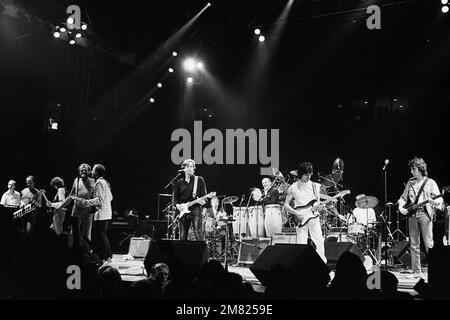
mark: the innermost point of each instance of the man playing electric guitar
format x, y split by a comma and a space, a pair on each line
304, 191
418, 189
187, 189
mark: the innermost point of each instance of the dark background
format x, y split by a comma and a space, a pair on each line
312, 85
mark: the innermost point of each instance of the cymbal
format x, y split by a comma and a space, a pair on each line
367, 202
230, 199
294, 173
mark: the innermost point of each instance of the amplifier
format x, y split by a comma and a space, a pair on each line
284, 237
251, 248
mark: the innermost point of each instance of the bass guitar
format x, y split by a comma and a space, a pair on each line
311, 210
183, 208
412, 208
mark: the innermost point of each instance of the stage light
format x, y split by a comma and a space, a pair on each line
261, 38
78, 35
70, 20
189, 64
444, 1
366, 102
84, 27
159, 85
170, 70
190, 79
63, 29
395, 99
56, 34
199, 65
152, 100
444, 9
257, 31
72, 41
208, 4
174, 53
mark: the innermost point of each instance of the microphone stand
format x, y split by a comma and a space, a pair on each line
169, 215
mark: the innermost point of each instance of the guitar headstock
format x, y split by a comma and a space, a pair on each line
42, 191
344, 193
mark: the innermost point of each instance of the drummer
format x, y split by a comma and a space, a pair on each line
364, 216
211, 213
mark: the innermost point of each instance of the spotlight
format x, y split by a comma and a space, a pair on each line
84, 27
152, 100
159, 85
190, 79
199, 65
189, 64
261, 38
257, 31
78, 35
444, 9
444, 1
70, 20
56, 34
208, 4
63, 29
174, 53
366, 102
170, 70
72, 41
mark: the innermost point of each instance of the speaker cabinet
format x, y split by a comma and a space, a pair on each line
184, 258
400, 254
294, 258
333, 251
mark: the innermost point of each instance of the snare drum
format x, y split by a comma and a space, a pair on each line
256, 221
356, 229
273, 222
240, 221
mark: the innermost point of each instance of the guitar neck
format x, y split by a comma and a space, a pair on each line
425, 202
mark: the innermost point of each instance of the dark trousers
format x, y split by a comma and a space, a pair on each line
194, 217
100, 242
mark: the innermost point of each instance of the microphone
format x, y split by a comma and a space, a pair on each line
386, 162
181, 170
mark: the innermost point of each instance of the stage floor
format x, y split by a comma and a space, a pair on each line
133, 270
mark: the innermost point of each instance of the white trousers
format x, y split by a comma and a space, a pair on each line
313, 227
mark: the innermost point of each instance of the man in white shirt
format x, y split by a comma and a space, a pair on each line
11, 198
423, 217
304, 191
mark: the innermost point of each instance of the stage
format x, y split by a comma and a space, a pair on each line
133, 270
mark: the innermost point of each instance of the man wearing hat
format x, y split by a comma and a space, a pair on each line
361, 215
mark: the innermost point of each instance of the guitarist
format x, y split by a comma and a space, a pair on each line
303, 192
419, 188
184, 192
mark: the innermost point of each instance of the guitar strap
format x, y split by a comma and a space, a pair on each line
194, 190
420, 191
315, 191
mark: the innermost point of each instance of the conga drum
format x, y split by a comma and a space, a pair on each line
256, 222
273, 221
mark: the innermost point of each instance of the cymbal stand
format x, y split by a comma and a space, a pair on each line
172, 183
398, 231
368, 249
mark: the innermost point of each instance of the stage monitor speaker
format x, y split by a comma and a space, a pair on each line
251, 248
184, 258
295, 258
156, 229
333, 251
401, 255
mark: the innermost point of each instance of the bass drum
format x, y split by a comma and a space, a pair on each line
340, 235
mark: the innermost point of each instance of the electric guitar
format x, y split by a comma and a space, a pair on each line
311, 211
183, 208
412, 208
63, 205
